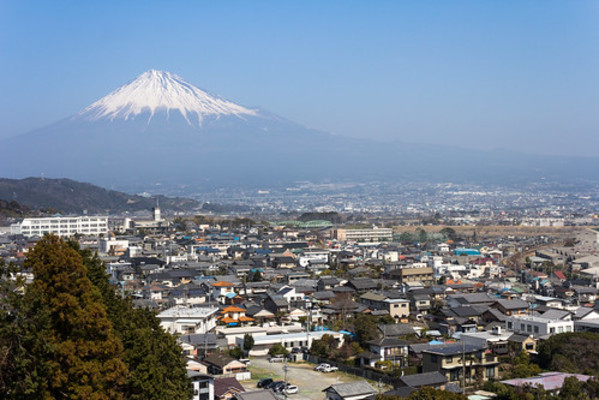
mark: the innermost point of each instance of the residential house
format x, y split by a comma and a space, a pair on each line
283, 262
470, 299
227, 388
526, 343
452, 359
420, 303
234, 316
538, 326
327, 283
322, 297
290, 294
362, 285
511, 307
221, 289
397, 331
397, 307
276, 304
185, 320
433, 379
220, 364
496, 339
198, 343
349, 391
413, 273
585, 294
387, 349
203, 385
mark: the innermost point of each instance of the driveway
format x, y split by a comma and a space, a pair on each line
311, 383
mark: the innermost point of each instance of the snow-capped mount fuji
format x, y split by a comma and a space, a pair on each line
158, 91
160, 128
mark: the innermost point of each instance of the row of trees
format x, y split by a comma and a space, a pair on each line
69, 335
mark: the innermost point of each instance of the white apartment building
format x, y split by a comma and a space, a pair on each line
538, 326
61, 226
185, 321
363, 235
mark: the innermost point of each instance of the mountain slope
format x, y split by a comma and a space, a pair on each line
70, 196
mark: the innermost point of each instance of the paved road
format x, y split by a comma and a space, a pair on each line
310, 382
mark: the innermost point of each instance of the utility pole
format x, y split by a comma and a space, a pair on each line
463, 366
286, 383
308, 321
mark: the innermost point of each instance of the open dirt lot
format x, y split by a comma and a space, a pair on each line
495, 231
310, 382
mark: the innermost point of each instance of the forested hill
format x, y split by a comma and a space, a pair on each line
69, 196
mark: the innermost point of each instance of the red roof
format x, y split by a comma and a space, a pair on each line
223, 284
560, 275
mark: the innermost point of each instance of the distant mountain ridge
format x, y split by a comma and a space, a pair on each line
160, 129
69, 196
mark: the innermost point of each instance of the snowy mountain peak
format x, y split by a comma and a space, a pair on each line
158, 90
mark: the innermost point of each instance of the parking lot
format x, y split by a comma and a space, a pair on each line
311, 383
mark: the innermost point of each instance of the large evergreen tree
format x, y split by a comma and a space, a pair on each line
82, 355
71, 336
157, 369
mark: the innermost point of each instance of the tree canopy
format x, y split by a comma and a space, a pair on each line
576, 352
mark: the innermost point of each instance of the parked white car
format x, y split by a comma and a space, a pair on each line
329, 369
291, 389
321, 367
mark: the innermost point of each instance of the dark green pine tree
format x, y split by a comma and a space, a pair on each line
153, 356
81, 355
23, 372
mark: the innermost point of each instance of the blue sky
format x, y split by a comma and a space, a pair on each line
521, 75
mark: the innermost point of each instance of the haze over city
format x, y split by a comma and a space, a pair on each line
479, 75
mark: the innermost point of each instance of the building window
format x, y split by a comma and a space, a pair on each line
454, 375
490, 372
509, 324
536, 329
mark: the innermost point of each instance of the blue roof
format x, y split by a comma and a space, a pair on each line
456, 348
320, 328
208, 249
469, 252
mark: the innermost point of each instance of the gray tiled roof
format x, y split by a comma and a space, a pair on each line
351, 388
424, 379
257, 395
391, 330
